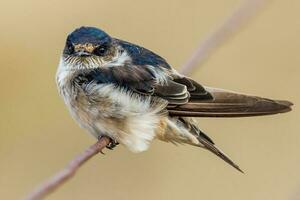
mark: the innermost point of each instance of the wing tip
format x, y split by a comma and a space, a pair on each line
258, 107
285, 103
274, 106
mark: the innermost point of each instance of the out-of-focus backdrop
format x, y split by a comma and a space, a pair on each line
38, 136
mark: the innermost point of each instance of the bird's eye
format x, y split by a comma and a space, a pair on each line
100, 51
70, 48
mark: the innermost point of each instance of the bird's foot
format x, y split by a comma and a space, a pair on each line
112, 143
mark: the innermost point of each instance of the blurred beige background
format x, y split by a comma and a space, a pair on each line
38, 136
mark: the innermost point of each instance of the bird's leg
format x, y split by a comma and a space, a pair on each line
112, 142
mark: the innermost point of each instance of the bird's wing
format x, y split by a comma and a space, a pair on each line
185, 96
230, 104
174, 88
149, 74
131, 77
141, 56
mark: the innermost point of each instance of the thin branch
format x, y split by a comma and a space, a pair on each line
68, 172
238, 18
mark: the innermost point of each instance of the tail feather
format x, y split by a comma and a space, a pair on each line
205, 141
212, 148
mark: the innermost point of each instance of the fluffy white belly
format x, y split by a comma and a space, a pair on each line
104, 109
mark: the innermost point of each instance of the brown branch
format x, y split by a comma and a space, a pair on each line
238, 18
68, 172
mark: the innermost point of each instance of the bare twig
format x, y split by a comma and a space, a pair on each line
238, 18
68, 172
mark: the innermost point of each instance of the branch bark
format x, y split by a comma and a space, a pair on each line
238, 18
68, 172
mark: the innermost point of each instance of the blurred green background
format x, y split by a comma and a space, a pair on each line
38, 136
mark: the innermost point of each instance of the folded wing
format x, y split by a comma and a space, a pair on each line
229, 104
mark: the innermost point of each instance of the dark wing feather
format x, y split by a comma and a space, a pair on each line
196, 90
230, 104
142, 56
135, 78
180, 91
174, 93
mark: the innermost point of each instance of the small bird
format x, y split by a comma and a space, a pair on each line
128, 93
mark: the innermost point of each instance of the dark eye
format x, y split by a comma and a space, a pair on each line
69, 48
100, 51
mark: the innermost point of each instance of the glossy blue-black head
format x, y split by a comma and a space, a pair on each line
87, 41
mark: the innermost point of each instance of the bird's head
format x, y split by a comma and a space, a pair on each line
89, 47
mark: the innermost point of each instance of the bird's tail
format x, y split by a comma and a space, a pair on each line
206, 142
215, 150
184, 130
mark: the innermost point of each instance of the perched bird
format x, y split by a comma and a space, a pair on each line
130, 94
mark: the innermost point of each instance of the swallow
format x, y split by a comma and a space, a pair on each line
132, 95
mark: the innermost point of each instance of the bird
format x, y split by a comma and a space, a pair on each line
131, 95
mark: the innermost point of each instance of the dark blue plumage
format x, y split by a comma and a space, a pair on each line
142, 56
97, 37
89, 35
